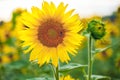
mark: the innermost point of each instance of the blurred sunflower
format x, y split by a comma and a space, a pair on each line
117, 63
4, 59
112, 29
8, 49
13, 57
52, 33
5, 29
8, 53
0, 59
68, 77
8, 58
104, 42
104, 55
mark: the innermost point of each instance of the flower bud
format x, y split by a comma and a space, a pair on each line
96, 28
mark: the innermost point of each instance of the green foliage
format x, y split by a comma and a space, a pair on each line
71, 66
99, 77
45, 78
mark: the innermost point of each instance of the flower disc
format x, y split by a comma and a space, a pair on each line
51, 33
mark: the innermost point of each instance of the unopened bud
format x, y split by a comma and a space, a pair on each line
96, 28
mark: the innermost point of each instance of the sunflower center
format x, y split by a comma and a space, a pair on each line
104, 54
51, 33
10, 56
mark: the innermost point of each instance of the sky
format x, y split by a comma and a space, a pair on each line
85, 8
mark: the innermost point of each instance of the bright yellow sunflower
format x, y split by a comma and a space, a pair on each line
51, 33
68, 77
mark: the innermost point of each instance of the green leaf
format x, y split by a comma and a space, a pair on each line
100, 77
71, 66
16, 65
100, 49
11, 41
85, 33
45, 78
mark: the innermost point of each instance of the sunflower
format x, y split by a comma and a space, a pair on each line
103, 43
51, 33
68, 77
117, 63
5, 29
8, 49
8, 54
4, 59
8, 58
112, 29
104, 55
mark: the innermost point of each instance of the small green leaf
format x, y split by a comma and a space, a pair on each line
100, 49
100, 77
71, 66
45, 78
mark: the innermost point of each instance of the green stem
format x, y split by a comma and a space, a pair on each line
84, 73
53, 70
89, 57
57, 73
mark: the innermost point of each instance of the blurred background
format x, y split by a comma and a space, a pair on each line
15, 65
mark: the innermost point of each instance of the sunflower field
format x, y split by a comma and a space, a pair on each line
51, 42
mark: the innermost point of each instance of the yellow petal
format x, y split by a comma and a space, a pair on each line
60, 10
35, 52
62, 53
